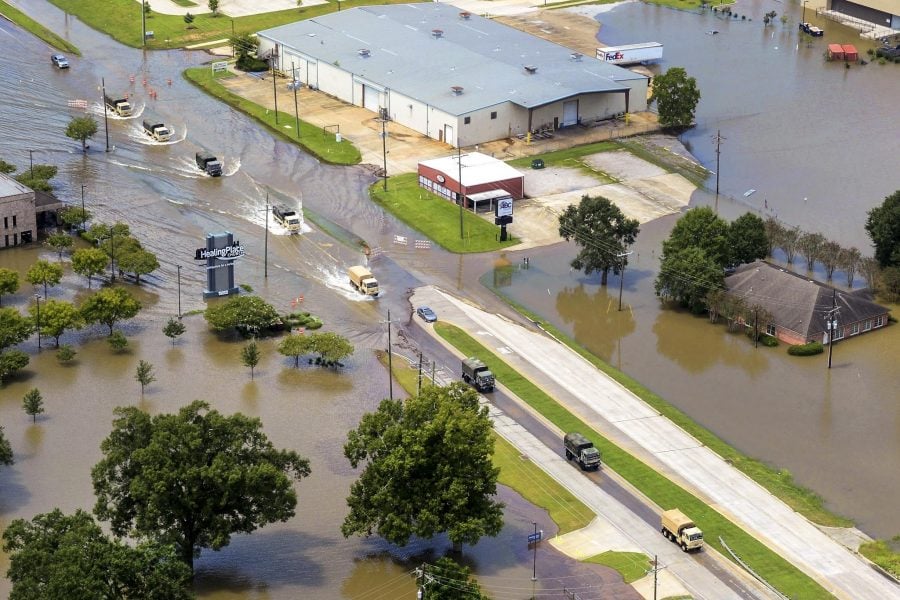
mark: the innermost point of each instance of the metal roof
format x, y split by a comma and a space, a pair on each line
424, 50
477, 168
11, 187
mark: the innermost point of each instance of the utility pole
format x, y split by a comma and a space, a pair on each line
105, 117
390, 360
83, 212
756, 327
656, 569
718, 139
179, 291
266, 251
275, 89
831, 324
459, 181
294, 85
419, 387
143, 23
37, 299
31, 164
622, 275
384, 144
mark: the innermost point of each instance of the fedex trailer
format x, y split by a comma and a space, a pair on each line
631, 54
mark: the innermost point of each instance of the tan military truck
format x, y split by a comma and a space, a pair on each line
679, 528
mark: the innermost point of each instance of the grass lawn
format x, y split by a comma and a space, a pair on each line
436, 217
312, 139
35, 28
776, 570
572, 158
885, 554
630, 565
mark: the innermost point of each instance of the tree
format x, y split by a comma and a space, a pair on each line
89, 262
33, 404
850, 260
117, 341
426, 469
890, 284
12, 361
676, 95
868, 268
9, 282
138, 261
810, 246
601, 231
7, 168
250, 356
60, 242
830, 256
244, 44
14, 328
68, 556
82, 129
44, 273
700, 228
143, 374
330, 347
789, 239
6, 455
65, 353
295, 346
774, 234
57, 317
452, 581
214, 7
147, 9
245, 313
38, 177
194, 478
747, 239
883, 227
113, 240
173, 329
188, 19
687, 276
74, 216
109, 306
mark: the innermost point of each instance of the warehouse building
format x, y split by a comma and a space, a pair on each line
450, 75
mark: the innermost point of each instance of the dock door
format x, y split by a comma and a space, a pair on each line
570, 113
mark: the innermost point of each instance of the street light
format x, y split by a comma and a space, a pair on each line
83, 215
804, 10
179, 291
534, 560
37, 299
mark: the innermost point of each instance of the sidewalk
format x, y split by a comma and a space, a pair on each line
629, 422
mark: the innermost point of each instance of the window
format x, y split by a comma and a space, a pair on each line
6, 223
867, 325
854, 329
467, 120
14, 221
879, 321
494, 114
770, 329
839, 333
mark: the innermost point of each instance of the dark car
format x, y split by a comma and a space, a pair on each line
811, 30
427, 314
59, 61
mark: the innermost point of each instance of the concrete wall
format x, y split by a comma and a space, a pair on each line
510, 120
873, 11
17, 216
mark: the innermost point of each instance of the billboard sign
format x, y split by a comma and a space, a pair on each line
504, 207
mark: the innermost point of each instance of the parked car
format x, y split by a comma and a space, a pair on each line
426, 314
59, 61
811, 30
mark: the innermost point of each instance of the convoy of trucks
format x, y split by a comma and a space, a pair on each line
582, 450
287, 218
120, 106
679, 528
209, 163
631, 54
476, 373
363, 281
157, 131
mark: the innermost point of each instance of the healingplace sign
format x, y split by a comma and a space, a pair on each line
221, 251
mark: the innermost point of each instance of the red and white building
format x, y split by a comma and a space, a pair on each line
478, 178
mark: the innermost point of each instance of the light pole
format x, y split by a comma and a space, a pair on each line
266, 246
296, 110
804, 10
179, 291
275, 89
37, 299
83, 215
31, 164
382, 113
459, 183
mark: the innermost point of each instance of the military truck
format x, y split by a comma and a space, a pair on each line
209, 163
476, 373
679, 528
363, 281
120, 106
157, 131
582, 451
287, 218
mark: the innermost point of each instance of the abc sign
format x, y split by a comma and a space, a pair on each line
505, 207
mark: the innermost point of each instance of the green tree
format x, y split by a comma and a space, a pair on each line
245, 313
174, 327
7, 168
73, 216
330, 347
57, 317
213, 7
89, 262
9, 282
700, 228
12, 361
687, 276
117, 341
143, 374
244, 44
747, 239
44, 273
295, 346
830, 256
114, 240
250, 356
138, 261
194, 478
33, 404
810, 246
676, 95
60, 242
452, 581
869, 269
14, 328
82, 129
61, 556
147, 9
65, 353
426, 469
883, 227
774, 233
188, 19
850, 260
601, 231
6, 454
109, 306
790, 236
890, 284
38, 177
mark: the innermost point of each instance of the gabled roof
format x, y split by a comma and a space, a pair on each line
424, 50
477, 168
797, 302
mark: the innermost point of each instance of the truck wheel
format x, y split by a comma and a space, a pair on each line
568, 455
683, 547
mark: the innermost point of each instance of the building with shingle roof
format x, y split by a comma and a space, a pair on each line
800, 306
450, 75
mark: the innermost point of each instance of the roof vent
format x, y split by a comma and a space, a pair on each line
576, 56
364, 52
531, 69
456, 89
465, 15
437, 33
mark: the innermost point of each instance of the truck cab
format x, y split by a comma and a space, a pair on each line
209, 163
477, 374
582, 450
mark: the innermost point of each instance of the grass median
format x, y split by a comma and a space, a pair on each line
768, 564
30, 25
324, 147
436, 217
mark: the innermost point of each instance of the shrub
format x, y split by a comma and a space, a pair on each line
65, 353
809, 349
768, 341
245, 62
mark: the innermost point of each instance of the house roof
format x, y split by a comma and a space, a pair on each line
797, 302
477, 168
423, 50
11, 187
